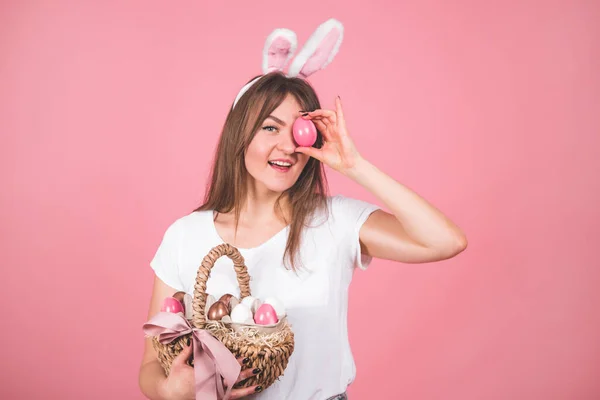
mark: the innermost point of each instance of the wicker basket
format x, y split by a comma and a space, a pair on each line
271, 359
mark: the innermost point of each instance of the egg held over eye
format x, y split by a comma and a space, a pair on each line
305, 132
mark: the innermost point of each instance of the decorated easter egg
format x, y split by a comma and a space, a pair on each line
248, 301
180, 296
252, 302
229, 300
305, 132
172, 305
265, 315
225, 298
277, 305
217, 311
241, 313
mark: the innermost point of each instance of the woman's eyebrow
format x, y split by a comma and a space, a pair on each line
280, 122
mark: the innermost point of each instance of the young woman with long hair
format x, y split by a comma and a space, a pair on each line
269, 198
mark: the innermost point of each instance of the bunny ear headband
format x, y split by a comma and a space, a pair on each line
318, 51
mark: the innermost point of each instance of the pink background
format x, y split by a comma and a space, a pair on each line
109, 115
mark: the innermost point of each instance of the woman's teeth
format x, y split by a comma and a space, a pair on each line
280, 166
280, 163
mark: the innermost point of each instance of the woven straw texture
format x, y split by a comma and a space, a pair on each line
268, 351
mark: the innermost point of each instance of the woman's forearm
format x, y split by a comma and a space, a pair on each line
151, 379
423, 222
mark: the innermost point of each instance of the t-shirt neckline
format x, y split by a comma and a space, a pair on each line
213, 227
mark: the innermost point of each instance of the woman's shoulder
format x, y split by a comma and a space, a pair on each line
342, 203
336, 204
336, 201
345, 210
192, 221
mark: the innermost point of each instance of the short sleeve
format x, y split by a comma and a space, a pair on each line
352, 214
166, 259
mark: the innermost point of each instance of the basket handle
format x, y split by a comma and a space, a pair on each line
199, 302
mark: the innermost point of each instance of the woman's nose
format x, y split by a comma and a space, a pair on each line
287, 142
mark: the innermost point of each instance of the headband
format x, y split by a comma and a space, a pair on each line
318, 51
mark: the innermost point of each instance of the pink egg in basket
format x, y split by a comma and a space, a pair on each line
305, 132
172, 305
265, 315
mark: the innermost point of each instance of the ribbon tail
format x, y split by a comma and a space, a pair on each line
219, 377
220, 388
225, 364
204, 370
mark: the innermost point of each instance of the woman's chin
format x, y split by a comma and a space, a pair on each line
279, 187
274, 184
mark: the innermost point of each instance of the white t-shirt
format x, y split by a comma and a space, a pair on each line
315, 298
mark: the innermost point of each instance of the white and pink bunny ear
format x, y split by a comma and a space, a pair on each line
317, 53
319, 50
279, 48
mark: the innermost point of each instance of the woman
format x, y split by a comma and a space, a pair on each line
268, 197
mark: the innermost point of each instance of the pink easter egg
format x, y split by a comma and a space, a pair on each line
171, 305
265, 315
305, 132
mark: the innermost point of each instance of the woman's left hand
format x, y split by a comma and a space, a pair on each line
338, 150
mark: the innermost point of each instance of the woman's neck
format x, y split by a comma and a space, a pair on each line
261, 208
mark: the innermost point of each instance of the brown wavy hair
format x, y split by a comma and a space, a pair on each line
227, 188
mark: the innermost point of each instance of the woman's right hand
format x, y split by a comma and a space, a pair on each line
180, 384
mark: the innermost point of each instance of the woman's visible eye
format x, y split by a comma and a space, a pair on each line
270, 128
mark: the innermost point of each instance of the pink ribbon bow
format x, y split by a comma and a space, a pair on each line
212, 360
